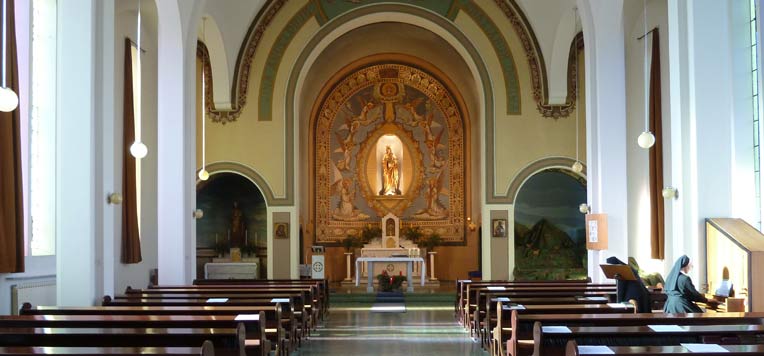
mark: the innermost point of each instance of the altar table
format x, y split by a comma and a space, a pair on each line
370, 267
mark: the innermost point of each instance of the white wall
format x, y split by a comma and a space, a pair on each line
637, 157
137, 275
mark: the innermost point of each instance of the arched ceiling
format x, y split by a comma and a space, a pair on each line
550, 20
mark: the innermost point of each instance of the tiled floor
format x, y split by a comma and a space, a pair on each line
421, 330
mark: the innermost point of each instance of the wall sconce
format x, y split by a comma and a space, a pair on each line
198, 214
470, 224
670, 192
584, 208
114, 198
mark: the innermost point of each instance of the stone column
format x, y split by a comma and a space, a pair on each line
606, 137
347, 263
432, 265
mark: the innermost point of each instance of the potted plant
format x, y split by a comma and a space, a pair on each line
349, 243
369, 233
414, 233
388, 283
430, 242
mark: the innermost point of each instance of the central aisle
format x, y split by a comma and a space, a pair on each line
422, 330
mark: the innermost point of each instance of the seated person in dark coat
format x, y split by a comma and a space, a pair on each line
680, 291
631, 290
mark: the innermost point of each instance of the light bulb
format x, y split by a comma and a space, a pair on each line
583, 208
138, 150
669, 192
9, 101
577, 167
646, 140
203, 174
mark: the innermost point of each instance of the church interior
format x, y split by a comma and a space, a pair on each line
381, 177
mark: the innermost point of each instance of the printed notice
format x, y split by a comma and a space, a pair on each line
496, 288
247, 317
280, 300
704, 348
596, 350
666, 328
556, 329
593, 231
217, 300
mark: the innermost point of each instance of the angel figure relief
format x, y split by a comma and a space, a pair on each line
352, 123
345, 210
433, 188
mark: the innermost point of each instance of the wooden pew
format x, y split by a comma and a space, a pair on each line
323, 285
521, 332
476, 294
548, 342
274, 333
522, 325
205, 350
461, 288
309, 302
315, 291
287, 316
572, 349
226, 341
253, 323
295, 308
497, 331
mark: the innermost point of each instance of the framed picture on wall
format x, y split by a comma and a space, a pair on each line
499, 227
281, 230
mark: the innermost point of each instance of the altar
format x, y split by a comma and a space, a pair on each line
390, 245
371, 261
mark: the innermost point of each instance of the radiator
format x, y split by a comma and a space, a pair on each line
36, 293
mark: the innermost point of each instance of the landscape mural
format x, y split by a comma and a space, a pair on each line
549, 229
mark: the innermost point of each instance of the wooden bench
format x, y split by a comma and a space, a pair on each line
572, 349
520, 341
206, 350
552, 341
274, 334
226, 341
307, 296
476, 296
323, 285
287, 317
522, 325
461, 289
498, 331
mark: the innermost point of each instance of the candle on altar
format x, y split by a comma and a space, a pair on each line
216, 239
229, 235
246, 237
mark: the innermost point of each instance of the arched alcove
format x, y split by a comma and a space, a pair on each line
217, 228
549, 228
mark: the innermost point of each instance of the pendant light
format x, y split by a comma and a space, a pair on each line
9, 101
646, 139
577, 166
138, 149
203, 174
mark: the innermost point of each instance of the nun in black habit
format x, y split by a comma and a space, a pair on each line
680, 290
628, 290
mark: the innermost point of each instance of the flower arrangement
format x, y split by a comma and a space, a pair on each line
249, 249
350, 242
431, 242
388, 283
414, 234
369, 233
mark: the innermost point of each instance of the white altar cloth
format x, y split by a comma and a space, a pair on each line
370, 267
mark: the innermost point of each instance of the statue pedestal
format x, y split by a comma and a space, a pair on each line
347, 260
432, 265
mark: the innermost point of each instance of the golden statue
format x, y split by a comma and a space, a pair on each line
390, 182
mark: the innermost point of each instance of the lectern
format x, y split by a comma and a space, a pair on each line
317, 262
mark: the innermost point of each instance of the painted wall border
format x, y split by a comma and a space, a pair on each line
252, 175
537, 166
